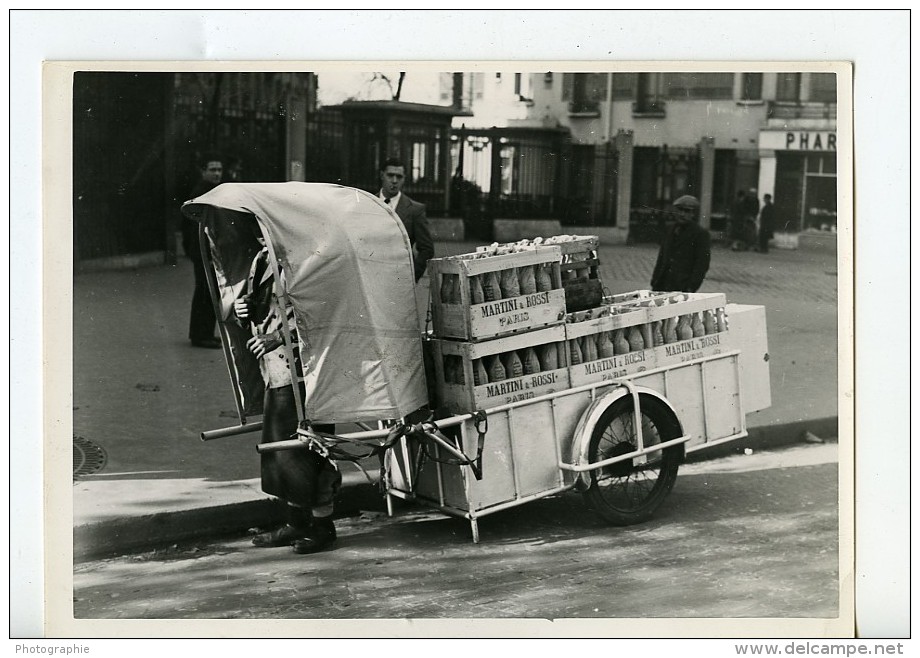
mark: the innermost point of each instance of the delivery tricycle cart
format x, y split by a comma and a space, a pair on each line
512, 396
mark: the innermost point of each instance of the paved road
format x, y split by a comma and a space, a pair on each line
744, 536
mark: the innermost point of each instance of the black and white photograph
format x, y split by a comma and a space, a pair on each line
544, 348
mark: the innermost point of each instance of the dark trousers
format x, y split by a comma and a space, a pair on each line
298, 476
765, 237
201, 320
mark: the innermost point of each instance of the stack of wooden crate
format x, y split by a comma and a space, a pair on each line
497, 319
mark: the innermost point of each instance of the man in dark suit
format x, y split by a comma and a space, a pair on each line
412, 213
767, 215
202, 320
683, 259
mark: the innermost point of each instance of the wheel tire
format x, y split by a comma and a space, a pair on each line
629, 492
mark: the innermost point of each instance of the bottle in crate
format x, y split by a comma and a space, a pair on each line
721, 320
575, 356
604, 345
531, 362
635, 340
620, 344
491, 290
527, 280
670, 330
542, 278
508, 283
684, 330
549, 357
480, 376
709, 323
589, 349
496, 370
562, 353
696, 326
657, 335
448, 288
513, 366
476, 294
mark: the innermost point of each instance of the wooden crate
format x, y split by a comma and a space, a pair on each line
618, 365
475, 322
691, 302
467, 397
579, 270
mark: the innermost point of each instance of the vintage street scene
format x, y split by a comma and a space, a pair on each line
415, 344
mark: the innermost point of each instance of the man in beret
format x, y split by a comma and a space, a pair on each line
683, 259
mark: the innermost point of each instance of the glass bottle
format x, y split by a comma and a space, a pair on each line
549, 357
531, 362
589, 348
508, 283
496, 370
635, 340
670, 330
620, 344
574, 353
657, 335
513, 365
604, 345
721, 320
491, 291
696, 325
476, 294
709, 323
542, 278
480, 376
527, 280
562, 353
684, 330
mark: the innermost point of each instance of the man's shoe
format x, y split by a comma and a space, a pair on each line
320, 537
283, 536
209, 343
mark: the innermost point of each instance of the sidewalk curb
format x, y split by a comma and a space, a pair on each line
129, 534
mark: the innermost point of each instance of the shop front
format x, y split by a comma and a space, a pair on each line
800, 167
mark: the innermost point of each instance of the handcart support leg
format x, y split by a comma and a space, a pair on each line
474, 526
389, 504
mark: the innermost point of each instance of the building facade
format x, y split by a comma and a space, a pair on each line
639, 140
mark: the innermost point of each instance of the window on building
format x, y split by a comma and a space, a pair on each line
751, 86
788, 86
648, 97
624, 85
823, 87
478, 83
584, 91
699, 85
446, 86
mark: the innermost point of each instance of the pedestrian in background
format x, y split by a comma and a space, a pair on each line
412, 213
767, 217
305, 481
683, 258
202, 321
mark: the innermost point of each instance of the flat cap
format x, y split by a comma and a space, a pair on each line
686, 201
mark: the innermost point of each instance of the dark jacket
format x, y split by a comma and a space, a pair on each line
683, 259
412, 214
767, 215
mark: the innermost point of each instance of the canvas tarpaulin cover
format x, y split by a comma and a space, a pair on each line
347, 264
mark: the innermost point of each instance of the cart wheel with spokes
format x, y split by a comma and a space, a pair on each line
630, 491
